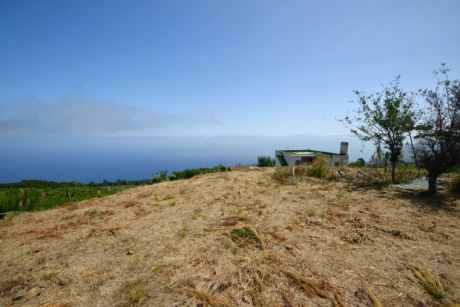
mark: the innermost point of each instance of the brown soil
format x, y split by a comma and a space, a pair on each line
233, 239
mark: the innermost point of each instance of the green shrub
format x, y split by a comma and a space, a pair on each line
265, 161
454, 186
406, 172
360, 162
189, 173
319, 168
160, 176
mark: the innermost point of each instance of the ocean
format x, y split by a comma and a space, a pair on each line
86, 159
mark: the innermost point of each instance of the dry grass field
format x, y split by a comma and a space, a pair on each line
236, 239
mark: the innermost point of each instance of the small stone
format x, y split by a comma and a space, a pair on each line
129, 252
288, 247
20, 294
41, 285
35, 291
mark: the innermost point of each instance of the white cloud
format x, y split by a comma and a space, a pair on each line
78, 116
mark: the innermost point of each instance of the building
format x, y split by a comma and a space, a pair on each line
306, 156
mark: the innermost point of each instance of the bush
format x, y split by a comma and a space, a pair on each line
454, 186
358, 163
319, 168
189, 173
406, 172
265, 161
282, 174
160, 176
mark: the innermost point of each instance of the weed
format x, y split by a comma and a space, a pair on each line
374, 300
137, 292
48, 276
229, 244
309, 286
93, 212
168, 197
240, 214
431, 283
182, 230
258, 300
319, 168
247, 234
157, 266
282, 175
454, 186
355, 237
208, 298
399, 234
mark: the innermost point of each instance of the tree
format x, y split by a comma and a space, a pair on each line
438, 134
384, 117
263, 161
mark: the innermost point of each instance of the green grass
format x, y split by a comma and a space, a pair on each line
32, 199
33, 195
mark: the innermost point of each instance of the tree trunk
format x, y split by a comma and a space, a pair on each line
414, 154
393, 172
432, 188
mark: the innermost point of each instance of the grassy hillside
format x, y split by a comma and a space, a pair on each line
238, 238
33, 195
39, 198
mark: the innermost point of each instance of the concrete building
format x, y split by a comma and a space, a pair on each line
306, 156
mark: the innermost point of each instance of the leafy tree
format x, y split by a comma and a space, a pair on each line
264, 161
384, 117
438, 134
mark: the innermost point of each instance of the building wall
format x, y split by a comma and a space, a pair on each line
334, 160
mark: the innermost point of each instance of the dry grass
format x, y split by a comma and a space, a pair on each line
375, 302
234, 239
309, 286
247, 235
430, 283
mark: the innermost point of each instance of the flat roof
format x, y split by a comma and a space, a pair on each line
309, 151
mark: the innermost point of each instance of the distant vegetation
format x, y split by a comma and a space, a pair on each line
265, 161
188, 173
43, 195
31, 195
360, 162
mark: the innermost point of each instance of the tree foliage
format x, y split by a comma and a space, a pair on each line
438, 131
384, 117
265, 161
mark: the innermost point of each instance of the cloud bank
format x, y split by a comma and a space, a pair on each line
82, 117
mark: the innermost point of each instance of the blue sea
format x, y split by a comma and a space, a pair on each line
87, 159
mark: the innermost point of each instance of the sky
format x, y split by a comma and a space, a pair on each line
210, 67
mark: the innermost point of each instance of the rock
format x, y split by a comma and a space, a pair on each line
129, 252
35, 291
18, 295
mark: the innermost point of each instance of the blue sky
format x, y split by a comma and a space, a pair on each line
210, 67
